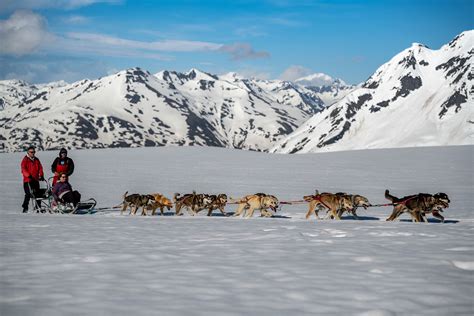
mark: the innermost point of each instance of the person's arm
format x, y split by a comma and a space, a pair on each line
24, 169
53, 166
70, 168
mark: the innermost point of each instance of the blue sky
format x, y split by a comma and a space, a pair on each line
43, 40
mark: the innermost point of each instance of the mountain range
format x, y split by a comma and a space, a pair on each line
420, 97
134, 108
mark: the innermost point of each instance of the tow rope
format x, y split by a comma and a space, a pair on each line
293, 202
377, 205
107, 208
315, 197
396, 203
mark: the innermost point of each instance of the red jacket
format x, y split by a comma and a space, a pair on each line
32, 168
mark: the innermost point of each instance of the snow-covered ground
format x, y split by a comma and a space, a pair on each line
110, 264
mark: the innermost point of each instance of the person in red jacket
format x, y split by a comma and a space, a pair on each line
32, 172
62, 164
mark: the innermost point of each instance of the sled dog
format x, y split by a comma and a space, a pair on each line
357, 201
334, 204
418, 205
192, 202
159, 201
258, 201
216, 202
135, 201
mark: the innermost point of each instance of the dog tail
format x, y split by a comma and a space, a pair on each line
125, 195
390, 197
176, 196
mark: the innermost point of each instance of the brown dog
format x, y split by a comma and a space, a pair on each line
258, 201
357, 201
192, 202
332, 202
442, 202
217, 202
160, 201
135, 201
418, 205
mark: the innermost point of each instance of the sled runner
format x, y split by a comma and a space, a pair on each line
83, 207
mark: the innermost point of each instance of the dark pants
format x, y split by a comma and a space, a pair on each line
35, 187
71, 197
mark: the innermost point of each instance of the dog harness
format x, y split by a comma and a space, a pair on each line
318, 197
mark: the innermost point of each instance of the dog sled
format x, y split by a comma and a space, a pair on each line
42, 201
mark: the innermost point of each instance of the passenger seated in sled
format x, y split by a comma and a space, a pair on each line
63, 193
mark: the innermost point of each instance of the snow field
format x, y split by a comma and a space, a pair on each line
110, 264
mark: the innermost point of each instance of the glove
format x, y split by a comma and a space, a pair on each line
41, 178
30, 177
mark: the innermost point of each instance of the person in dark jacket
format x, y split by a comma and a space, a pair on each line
62, 164
63, 192
32, 172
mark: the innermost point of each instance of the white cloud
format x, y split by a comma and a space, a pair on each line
253, 73
83, 47
25, 31
116, 46
22, 33
75, 19
240, 51
294, 72
11, 5
165, 45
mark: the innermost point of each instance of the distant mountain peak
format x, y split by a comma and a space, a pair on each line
420, 97
418, 45
316, 80
231, 76
328, 89
465, 39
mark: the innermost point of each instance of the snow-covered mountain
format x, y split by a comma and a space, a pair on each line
327, 88
421, 97
135, 108
14, 92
